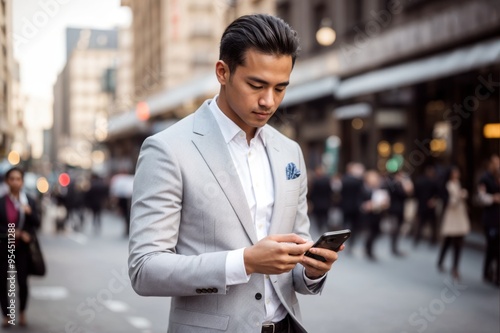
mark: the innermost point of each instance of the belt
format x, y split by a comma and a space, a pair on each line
281, 326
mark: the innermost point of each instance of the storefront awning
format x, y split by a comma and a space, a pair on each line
454, 62
310, 90
358, 110
171, 99
161, 104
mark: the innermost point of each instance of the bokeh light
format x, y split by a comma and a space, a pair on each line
64, 179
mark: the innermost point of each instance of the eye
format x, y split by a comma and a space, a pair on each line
280, 89
254, 86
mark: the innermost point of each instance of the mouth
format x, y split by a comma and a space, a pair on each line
263, 114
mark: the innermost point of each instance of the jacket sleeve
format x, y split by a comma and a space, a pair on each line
155, 269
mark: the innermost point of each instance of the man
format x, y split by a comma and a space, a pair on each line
351, 195
399, 187
219, 209
321, 197
426, 193
489, 196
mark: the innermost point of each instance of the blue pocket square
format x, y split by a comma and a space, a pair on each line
291, 171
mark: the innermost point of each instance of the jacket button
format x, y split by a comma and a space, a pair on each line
258, 296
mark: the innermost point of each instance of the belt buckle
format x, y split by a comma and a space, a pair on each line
269, 326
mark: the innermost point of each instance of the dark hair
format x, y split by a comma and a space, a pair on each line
264, 33
11, 170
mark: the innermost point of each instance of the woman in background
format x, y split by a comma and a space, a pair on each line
19, 211
455, 223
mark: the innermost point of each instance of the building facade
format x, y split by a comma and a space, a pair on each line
400, 85
416, 83
6, 61
82, 95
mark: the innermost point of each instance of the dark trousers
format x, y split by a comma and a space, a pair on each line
96, 218
351, 221
456, 242
373, 227
396, 230
321, 217
124, 206
492, 253
21, 261
424, 218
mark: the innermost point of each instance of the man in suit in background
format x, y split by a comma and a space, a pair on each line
351, 196
219, 210
426, 193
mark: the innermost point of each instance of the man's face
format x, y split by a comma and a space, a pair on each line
15, 181
251, 94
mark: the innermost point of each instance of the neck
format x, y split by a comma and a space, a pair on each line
15, 194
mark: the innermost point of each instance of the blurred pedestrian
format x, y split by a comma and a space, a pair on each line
399, 187
219, 212
59, 196
455, 225
489, 197
426, 194
321, 197
351, 198
121, 188
95, 197
75, 205
375, 201
19, 219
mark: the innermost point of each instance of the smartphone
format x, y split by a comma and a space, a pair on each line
330, 240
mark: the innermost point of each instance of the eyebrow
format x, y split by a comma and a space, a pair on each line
258, 80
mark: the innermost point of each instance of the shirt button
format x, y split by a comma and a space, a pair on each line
258, 296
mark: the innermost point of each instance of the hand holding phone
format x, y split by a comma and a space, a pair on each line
331, 240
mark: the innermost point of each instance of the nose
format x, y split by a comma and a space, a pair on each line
266, 99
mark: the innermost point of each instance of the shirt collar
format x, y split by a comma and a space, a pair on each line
228, 127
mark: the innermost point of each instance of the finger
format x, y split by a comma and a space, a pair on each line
288, 238
329, 255
298, 249
315, 268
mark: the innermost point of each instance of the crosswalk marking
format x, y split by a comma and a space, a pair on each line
139, 322
116, 306
48, 293
78, 237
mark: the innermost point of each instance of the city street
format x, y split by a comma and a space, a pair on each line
87, 290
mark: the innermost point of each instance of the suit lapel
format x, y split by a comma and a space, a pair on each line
210, 143
278, 170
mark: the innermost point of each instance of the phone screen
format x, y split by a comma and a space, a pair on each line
330, 240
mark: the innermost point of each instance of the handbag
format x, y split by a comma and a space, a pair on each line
36, 263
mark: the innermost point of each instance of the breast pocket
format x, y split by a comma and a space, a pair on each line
292, 192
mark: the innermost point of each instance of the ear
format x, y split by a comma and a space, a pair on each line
222, 72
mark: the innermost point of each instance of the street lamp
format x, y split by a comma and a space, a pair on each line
326, 35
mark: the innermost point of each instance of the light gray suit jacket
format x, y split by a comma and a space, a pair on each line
189, 210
